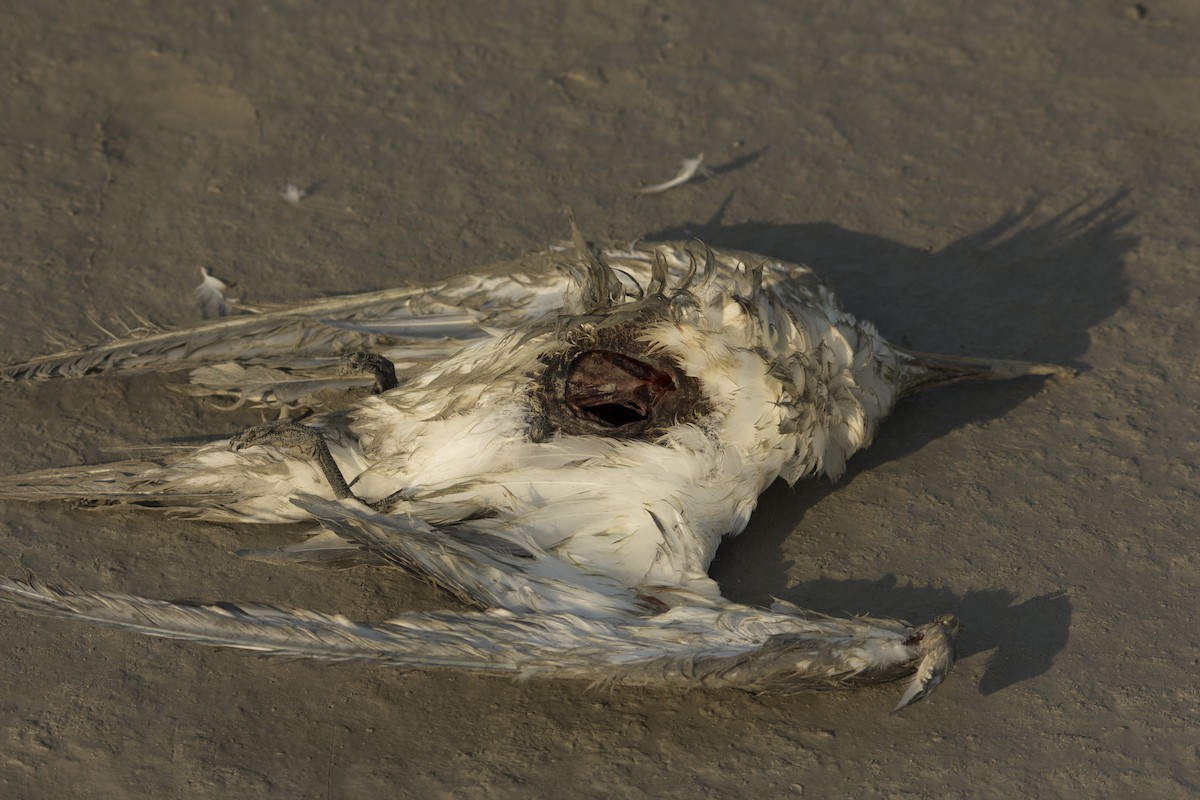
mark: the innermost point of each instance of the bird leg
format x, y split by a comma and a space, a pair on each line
302, 440
363, 362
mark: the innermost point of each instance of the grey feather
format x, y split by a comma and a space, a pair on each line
735, 647
322, 328
487, 571
454, 326
210, 295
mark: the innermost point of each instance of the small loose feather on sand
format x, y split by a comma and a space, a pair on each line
210, 295
688, 169
560, 442
293, 194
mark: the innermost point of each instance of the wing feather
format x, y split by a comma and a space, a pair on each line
484, 568
731, 646
456, 310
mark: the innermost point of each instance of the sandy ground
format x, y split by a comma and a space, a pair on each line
1009, 179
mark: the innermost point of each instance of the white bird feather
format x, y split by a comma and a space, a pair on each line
210, 295
572, 436
689, 168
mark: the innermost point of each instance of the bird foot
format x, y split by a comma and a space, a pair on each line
301, 440
362, 362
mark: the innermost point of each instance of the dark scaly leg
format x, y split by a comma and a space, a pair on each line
300, 439
363, 362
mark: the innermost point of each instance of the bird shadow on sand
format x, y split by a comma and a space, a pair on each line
1028, 286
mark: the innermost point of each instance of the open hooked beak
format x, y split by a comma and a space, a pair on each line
923, 371
615, 389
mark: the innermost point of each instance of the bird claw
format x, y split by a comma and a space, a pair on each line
302, 440
362, 362
284, 434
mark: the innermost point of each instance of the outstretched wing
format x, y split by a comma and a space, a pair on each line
421, 324
543, 617
292, 356
728, 646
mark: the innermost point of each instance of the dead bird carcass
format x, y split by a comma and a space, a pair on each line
560, 441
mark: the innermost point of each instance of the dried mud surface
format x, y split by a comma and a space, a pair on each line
1013, 179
